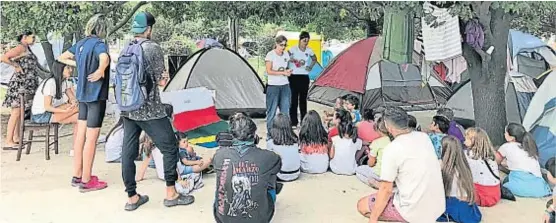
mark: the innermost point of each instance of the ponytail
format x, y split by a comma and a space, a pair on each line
524, 138
528, 144
347, 128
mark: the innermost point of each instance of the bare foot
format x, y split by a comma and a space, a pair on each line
138, 179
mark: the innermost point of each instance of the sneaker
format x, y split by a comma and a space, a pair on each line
76, 181
93, 185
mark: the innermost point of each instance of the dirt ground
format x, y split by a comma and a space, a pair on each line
34, 190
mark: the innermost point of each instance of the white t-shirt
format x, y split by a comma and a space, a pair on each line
113, 146
481, 173
279, 63
344, 155
410, 162
304, 58
49, 90
519, 160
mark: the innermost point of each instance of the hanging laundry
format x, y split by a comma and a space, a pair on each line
456, 67
398, 36
441, 70
474, 34
444, 41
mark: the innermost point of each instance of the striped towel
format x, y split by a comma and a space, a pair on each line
444, 41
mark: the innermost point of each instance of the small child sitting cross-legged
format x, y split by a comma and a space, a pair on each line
189, 159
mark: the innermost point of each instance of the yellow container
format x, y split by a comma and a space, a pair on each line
315, 43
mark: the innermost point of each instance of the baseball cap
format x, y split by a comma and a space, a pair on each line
142, 21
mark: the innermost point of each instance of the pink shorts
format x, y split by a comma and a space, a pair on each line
390, 213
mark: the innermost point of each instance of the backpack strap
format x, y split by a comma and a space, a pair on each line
490, 169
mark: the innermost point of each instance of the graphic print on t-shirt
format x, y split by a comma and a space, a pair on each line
244, 176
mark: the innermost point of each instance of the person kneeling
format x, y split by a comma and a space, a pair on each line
54, 100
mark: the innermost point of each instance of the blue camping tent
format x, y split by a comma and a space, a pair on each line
540, 119
519, 41
327, 57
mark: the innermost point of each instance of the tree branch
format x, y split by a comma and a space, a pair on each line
126, 18
350, 12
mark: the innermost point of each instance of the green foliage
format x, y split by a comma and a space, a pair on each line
179, 46
58, 17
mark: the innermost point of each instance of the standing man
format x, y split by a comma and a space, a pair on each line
93, 74
303, 60
151, 118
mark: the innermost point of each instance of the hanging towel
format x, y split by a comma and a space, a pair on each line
444, 41
398, 36
456, 67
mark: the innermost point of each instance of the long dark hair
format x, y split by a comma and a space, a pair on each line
524, 138
346, 126
24, 33
281, 132
312, 132
58, 75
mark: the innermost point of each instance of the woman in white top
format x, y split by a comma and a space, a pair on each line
303, 59
521, 155
344, 147
114, 143
278, 93
54, 100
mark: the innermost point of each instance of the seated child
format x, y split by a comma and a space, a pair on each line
413, 124
370, 174
458, 184
313, 144
152, 157
521, 155
367, 133
439, 128
482, 162
283, 142
190, 162
352, 105
344, 147
329, 116
54, 100
549, 216
114, 143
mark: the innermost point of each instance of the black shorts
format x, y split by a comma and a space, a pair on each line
92, 112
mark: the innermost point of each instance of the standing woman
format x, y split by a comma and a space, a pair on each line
303, 59
90, 56
278, 93
24, 80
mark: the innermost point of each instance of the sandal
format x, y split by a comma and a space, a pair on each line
14, 147
143, 199
181, 200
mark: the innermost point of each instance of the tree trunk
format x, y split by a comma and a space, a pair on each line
488, 81
68, 41
48, 53
233, 32
372, 28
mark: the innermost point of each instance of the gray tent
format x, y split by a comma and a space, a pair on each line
237, 86
386, 84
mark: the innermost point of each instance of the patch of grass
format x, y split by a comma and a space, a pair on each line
258, 64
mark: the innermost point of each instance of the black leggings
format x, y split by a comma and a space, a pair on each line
92, 112
299, 85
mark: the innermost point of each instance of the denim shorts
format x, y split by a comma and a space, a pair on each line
42, 118
187, 170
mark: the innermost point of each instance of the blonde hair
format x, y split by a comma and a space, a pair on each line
481, 146
454, 164
97, 25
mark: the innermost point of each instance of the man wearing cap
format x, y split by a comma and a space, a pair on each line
151, 118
